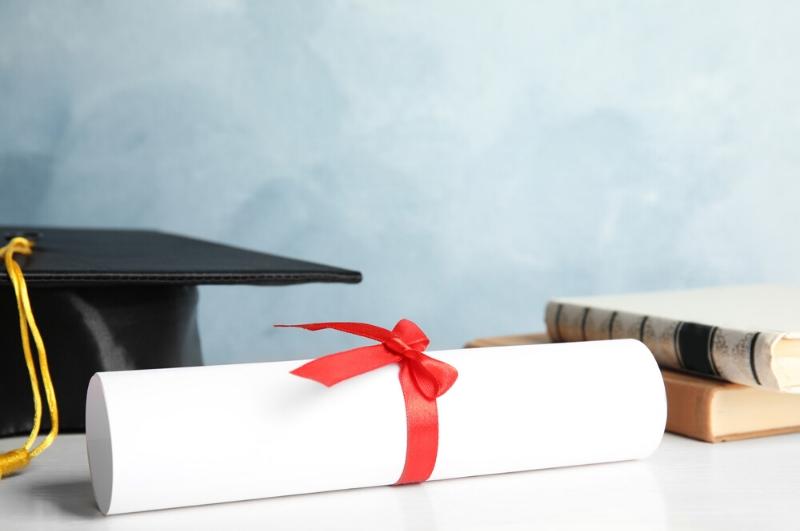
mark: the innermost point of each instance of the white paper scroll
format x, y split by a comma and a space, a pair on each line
190, 436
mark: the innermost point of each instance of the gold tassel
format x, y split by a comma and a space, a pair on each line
16, 460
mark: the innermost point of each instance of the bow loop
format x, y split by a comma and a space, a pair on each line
433, 377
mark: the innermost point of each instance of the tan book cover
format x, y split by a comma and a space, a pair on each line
716, 411
707, 409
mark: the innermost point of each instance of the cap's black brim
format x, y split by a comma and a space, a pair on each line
91, 257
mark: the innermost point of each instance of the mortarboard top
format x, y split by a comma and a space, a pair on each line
117, 300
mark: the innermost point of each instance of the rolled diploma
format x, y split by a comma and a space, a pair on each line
190, 436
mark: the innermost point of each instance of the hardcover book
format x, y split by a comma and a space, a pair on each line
743, 334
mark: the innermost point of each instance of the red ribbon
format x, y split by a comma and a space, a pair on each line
422, 378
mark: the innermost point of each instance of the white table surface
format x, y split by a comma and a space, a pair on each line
686, 484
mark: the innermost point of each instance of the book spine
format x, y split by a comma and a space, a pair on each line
736, 356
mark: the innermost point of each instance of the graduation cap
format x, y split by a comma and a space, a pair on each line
109, 300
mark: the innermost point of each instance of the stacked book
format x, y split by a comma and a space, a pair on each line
730, 356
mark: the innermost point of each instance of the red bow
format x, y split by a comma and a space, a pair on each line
422, 379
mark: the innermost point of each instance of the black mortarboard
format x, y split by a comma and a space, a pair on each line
109, 300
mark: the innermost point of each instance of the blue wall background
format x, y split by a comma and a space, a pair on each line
471, 160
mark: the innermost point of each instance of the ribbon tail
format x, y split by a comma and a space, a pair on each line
357, 329
333, 368
422, 438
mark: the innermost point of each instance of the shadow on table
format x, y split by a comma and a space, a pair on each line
72, 497
607, 496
